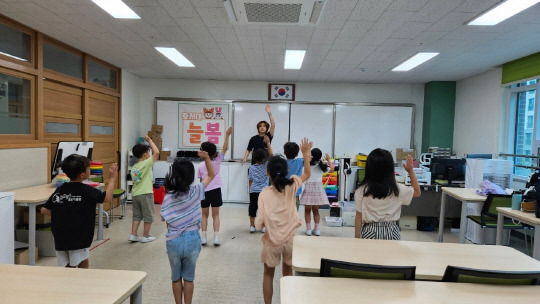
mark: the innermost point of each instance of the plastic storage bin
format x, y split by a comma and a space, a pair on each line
333, 221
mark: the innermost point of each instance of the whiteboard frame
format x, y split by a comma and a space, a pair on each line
334, 104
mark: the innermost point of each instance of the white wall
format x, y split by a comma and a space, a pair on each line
257, 90
477, 120
131, 123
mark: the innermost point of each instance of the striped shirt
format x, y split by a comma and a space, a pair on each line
257, 174
182, 212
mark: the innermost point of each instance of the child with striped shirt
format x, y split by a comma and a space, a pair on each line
258, 179
182, 211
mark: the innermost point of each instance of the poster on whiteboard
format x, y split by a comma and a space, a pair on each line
198, 123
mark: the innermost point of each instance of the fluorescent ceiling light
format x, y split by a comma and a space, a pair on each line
503, 11
175, 56
18, 58
117, 9
414, 61
293, 59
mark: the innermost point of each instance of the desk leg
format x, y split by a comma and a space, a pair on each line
136, 296
100, 223
463, 222
441, 216
536, 248
31, 234
500, 223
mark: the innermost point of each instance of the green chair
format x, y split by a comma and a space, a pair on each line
333, 268
469, 275
488, 215
117, 193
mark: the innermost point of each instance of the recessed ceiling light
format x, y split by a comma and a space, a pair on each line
503, 11
12, 56
175, 56
414, 61
294, 59
117, 9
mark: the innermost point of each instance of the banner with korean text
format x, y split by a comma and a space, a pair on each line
198, 122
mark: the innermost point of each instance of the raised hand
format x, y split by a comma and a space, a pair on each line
113, 170
203, 154
408, 165
268, 109
305, 145
229, 131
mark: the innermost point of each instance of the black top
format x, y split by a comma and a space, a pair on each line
73, 215
257, 142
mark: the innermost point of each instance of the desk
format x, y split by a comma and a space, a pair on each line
465, 195
31, 197
38, 284
430, 258
340, 290
524, 217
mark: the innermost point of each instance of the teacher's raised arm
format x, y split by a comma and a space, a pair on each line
263, 129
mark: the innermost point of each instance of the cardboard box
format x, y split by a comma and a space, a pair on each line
41, 219
157, 129
21, 256
163, 155
401, 154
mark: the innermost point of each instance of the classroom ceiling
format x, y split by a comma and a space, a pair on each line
354, 41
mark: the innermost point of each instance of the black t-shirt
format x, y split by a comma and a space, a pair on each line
73, 215
257, 142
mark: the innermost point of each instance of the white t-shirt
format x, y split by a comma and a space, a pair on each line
316, 174
382, 210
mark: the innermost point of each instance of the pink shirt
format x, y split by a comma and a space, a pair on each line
277, 211
217, 182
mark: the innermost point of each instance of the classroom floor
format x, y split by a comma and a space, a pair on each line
231, 273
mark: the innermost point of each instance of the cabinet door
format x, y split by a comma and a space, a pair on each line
7, 225
238, 183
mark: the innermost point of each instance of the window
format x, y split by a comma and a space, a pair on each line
15, 105
15, 44
101, 74
525, 122
62, 61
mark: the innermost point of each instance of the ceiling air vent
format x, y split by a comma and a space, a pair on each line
274, 12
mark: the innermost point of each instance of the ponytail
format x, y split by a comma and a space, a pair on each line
180, 176
316, 156
277, 169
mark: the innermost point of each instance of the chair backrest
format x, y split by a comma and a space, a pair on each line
469, 275
333, 268
493, 201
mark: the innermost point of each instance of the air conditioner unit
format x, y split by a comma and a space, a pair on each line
274, 12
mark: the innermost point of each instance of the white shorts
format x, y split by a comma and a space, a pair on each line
72, 257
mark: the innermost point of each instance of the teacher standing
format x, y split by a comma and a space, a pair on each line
263, 129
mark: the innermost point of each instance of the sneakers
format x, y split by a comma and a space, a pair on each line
216, 241
308, 232
146, 239
251, 229
203, 241
134, 238
317, 232
263, 230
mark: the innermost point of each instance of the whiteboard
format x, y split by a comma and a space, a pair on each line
362, 128
246, 117
167, 116
316, 122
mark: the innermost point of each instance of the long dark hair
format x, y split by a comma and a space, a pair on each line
209, 148
380, 179
316, 156
180, 177
277, 169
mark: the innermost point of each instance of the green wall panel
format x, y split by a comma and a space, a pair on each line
521, 69
439, 111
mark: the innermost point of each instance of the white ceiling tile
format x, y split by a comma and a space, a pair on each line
340, 5
214, 17
297, 43
141, 3
380, 56
300, 31
336, 55
208, 3
215, 53
391, 20
178, 8
318, 49
227, 35
251, 42
157, 16
324, 36
355, 28
411, 29
367, 10
173, 33
332, 19
376, 37
434, 10
477, 6
407, 5
345, 44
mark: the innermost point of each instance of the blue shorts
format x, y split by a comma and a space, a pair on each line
183, 253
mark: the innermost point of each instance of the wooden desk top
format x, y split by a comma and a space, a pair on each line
464, 194
315, 290
528, 217
33, 195
38, 284
430, 258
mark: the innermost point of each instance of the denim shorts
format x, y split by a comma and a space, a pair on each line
183, 252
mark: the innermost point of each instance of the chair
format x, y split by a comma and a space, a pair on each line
333, 268
116, 194
469, 275
488, 215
